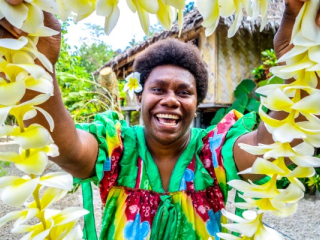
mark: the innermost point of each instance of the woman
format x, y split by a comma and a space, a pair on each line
163, 180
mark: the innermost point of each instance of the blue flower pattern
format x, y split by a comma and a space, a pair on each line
188, 176
215, 143
135, 230
107, 165
213, 225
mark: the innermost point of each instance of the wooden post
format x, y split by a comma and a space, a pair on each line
108, 79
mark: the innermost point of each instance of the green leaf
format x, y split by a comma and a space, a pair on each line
253, 105
263, 83
275, 80
272, 80
240, 103
218, 116
244, 88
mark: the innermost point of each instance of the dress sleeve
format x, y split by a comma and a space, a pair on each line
244, 125
106, 128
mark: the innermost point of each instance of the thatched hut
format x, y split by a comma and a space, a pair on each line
229, 60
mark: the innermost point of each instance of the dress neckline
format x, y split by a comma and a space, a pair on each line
178, 171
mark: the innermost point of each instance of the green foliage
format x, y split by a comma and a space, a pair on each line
313, 183
269, 60
92, 56
3, 170
82, 96
245, 101
122, 94
245, 87
67, 62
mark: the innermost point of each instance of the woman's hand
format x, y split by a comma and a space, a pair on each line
283, 36
49, 46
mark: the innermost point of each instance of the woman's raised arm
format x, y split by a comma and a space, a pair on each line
78, 149
282, 45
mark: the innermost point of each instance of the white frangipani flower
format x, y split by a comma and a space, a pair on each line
249, 226
133, 84
211, 10
28, 15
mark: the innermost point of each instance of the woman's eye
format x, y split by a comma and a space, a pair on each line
156, 89
184, 93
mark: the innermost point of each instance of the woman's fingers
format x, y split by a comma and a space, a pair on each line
11, 29
7, 30
14, 2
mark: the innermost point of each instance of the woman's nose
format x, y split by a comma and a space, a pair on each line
170, 100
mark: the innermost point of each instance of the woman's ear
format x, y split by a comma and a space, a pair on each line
139, 99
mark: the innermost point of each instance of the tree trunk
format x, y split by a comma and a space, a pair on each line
108, 80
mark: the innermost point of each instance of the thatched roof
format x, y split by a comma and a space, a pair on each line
191, 28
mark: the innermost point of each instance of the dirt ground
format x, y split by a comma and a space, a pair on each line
304, 224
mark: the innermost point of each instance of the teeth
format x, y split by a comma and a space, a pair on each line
168, 116
168, 124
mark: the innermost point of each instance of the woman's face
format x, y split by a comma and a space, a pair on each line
168, 103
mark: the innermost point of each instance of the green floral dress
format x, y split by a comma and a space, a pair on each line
136, 205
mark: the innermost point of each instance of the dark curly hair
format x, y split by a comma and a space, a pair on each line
175, 52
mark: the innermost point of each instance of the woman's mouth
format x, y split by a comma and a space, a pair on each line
169, 120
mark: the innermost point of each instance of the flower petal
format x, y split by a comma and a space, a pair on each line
305, 161
34, 19
59, 180
35, 136
14, 44
105, 7
69, 215
138, 89
75, 233
227, 236
291, 194
309, 104
111, 20
143, 17
11, 93
47, 117
302, 172
262, 166
150, 6
232, 217
9, 156
210, 11
178, 4
278, 101
16, 15
297, 50
309, 29
35, 70
164, 15
34, 164
227, 7
50, 196
21, 189
44, 31
287, 132
46, 5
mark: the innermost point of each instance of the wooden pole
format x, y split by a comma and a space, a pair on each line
108, 80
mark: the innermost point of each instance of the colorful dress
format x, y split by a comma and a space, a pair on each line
136, 205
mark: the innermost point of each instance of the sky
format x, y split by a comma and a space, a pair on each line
127, 28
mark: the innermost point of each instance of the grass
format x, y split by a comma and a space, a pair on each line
3, 170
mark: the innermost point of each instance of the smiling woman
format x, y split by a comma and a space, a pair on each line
163, 180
